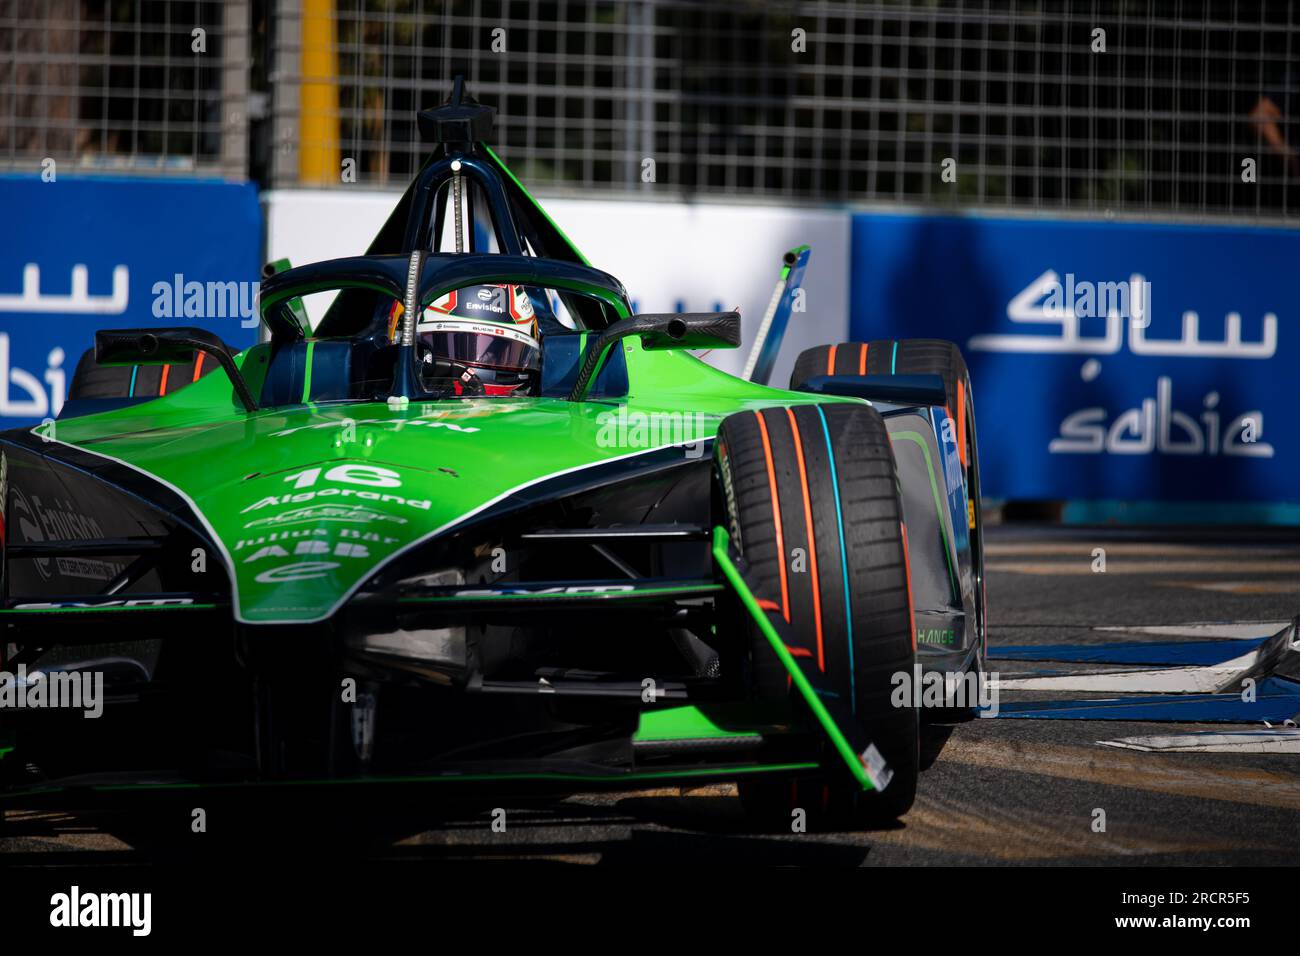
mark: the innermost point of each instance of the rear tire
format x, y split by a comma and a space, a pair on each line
889, 357
92, 380
834, 532
906, 357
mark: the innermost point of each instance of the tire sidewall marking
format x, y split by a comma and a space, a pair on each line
729, 495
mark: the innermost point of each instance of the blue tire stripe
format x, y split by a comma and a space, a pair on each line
893, 361
135, 370
844, 563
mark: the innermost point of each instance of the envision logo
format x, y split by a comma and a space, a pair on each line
57, 521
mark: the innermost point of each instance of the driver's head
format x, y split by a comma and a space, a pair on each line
483, 338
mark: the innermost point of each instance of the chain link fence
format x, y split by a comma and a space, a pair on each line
158, 86
1154, 109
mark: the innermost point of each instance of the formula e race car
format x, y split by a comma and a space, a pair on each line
480, 530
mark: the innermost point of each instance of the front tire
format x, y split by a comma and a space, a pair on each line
921, 357
810, 496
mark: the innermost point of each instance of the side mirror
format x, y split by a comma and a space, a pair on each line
687, 330
169, 346
660, 330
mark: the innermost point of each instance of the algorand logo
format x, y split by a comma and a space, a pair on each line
422, 504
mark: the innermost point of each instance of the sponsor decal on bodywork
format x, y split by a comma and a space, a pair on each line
395, 424
422, 504
936, 635
523, 589
39, 521
346, 514
104, 604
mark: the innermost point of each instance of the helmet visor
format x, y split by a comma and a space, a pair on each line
481, 344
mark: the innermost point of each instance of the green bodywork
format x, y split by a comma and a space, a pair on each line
858, 768
306, 502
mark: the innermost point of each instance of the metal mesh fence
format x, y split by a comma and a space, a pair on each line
1178, 108
111, 86
1156, 115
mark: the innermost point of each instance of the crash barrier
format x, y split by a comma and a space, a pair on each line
82, 254
1109, 360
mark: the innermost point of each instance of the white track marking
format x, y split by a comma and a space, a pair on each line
1164, 680
1083, 567
1276, 740
1201, 679
1235, 630
1066, 549
1237, 587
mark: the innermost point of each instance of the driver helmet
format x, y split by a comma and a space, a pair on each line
483, 338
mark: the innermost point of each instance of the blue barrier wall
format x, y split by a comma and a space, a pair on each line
1175, 383
84, 254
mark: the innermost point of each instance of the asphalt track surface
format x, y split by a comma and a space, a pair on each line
992, 792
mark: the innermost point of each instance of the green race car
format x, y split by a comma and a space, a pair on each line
481, 530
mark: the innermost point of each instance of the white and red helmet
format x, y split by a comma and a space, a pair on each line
484, 335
